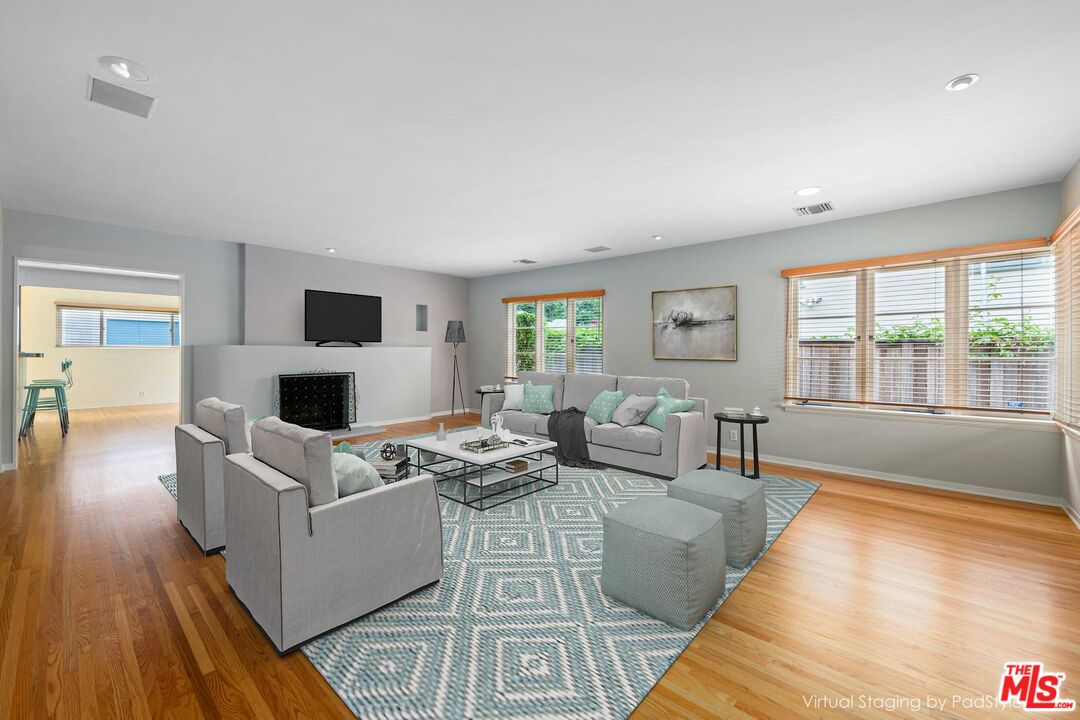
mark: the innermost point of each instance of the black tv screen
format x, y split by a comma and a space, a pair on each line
342, 317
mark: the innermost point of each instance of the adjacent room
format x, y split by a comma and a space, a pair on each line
499, 360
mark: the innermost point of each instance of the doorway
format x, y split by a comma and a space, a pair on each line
98, 351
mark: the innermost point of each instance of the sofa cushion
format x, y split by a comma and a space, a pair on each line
555, 380
517, 421
354, 474
513, 397
225, 421
603, 407
538, 399
633, 410
665, 405
301, 453
636, 438
582, 388
632, 385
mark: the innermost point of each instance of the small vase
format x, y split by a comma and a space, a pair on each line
442, 433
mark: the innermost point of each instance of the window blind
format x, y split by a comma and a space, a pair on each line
971, 333
555, 333
116, 327
1067, 268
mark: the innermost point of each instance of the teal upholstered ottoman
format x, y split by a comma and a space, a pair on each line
741, 500
664, 557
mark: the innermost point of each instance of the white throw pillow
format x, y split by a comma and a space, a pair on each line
354, 474
514, 397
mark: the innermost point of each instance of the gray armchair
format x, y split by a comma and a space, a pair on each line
220, 428
304, 561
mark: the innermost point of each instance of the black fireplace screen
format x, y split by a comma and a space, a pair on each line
319, 400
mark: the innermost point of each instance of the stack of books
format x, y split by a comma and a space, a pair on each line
391, 470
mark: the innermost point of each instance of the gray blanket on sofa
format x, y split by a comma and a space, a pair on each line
567, 428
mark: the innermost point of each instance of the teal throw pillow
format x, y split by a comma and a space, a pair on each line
353, 474
538, 399
665, 405
603, 407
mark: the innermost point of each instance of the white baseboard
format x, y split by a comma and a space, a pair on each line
912, 480
1072, 513
7, 467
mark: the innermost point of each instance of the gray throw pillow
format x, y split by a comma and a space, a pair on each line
633, 410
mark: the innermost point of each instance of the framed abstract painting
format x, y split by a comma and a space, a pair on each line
695, 324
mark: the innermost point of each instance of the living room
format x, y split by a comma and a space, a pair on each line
518, 389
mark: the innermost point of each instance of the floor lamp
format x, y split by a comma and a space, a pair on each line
455, 333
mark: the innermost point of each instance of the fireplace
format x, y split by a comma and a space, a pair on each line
319, 400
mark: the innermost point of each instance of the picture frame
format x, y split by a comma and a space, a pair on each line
695, 323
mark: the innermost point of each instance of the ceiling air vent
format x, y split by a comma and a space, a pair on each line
120, 98
598, 248
525, 261
814, 209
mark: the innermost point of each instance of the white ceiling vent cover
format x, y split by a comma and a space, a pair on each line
597, 249
120, 98
525, 261
814, 209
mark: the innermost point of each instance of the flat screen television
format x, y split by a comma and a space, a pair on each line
342, 317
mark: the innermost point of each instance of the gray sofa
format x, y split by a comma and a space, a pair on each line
642, 448
303, 560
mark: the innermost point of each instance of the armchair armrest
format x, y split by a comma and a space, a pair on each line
200, 492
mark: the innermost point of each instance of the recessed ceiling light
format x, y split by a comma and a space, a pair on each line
127, 69
808, 191
962, 83
657, 238
331, 250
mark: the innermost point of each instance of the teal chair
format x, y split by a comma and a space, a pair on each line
58, 401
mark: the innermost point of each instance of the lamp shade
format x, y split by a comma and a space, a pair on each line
455, 331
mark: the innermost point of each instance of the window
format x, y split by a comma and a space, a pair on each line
970, 331
1066, 241
116, 327
555, 333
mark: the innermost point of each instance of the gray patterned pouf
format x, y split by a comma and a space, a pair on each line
664, 557
741, 500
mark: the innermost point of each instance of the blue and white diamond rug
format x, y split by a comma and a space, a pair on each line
518, 627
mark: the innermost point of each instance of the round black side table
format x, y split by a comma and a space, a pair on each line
742, 420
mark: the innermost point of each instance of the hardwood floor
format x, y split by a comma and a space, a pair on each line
107, 609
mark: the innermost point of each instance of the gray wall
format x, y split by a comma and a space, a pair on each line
1018, 461
275, 281
211, 273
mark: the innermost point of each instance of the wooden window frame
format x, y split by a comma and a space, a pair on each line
571, 328
956, 312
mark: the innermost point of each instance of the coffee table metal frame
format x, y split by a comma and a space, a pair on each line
481, 475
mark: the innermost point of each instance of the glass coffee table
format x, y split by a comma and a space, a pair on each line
483, 480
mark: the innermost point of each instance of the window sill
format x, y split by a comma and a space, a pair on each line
983, 421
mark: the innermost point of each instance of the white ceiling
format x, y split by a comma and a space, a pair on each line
459, 136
